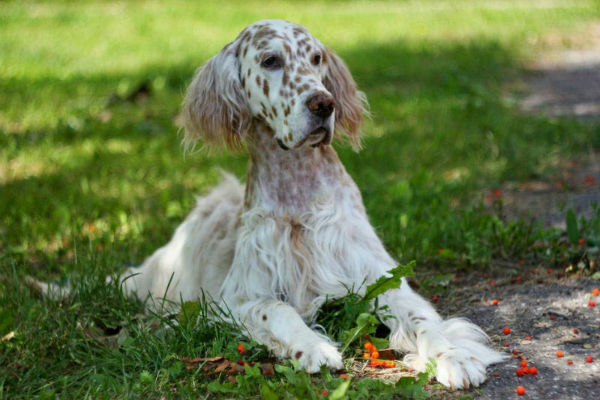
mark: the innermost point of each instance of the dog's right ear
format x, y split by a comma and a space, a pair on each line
215, 108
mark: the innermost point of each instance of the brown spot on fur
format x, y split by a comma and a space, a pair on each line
285, 79
258, 80
298, 355
266, 88
274, 110
264, 317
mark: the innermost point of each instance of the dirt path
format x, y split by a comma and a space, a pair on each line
552, 310
556, 315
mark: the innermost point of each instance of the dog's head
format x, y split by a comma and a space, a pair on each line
277, 72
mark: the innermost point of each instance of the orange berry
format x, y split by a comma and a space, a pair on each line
533, 371
523, 363
520, 390
375, 354
344, 376
559, 354
589, 359
506, 330
596, 291
570, 362
366, 355
520, 372
506, 344
495, 302
240, 348
375, 363
369, 346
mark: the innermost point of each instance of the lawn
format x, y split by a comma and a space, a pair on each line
93, 177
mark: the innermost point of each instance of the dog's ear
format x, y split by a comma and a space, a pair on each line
215, 108
351, 103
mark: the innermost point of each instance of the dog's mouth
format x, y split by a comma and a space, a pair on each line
318, 137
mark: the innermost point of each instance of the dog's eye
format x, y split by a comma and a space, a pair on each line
316, 60
271, 62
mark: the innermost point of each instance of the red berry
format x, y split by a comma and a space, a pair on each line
596, 291
559, 354
576, 331
523, 363
506, 344
570, 362
495, 302
549, 271
580, 241
527, 337
521, 261
491, 282
506, 330
589, 359
533, 371
515, 352
240, 348
324, 392
518, 279
435, 298
552, 317
592, 303
520, 390
520, 372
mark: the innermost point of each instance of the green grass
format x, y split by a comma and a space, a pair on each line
90, 181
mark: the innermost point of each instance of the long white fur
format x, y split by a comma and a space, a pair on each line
274, 262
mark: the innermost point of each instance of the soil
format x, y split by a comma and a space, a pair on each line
554, 312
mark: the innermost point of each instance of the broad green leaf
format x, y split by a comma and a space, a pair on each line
267, 393
572, 231
340, 392
385, 283
365, 324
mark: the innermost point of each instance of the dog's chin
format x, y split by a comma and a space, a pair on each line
319, 136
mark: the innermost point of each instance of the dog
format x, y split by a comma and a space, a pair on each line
273, 250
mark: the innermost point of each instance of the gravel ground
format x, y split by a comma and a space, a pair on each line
549, 310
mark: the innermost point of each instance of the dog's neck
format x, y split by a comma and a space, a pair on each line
290, 182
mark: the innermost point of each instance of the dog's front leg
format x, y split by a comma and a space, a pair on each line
458, 347
279, 326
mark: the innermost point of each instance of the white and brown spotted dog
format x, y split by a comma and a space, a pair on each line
272, 252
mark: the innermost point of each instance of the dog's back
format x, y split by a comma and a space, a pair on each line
206, 240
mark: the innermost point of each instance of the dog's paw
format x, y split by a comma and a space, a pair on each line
458, 367
312, 356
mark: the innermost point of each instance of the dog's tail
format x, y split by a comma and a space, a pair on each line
49, 290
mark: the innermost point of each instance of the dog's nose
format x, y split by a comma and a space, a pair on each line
321, 105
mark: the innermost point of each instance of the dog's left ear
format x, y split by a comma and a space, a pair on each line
350, 102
